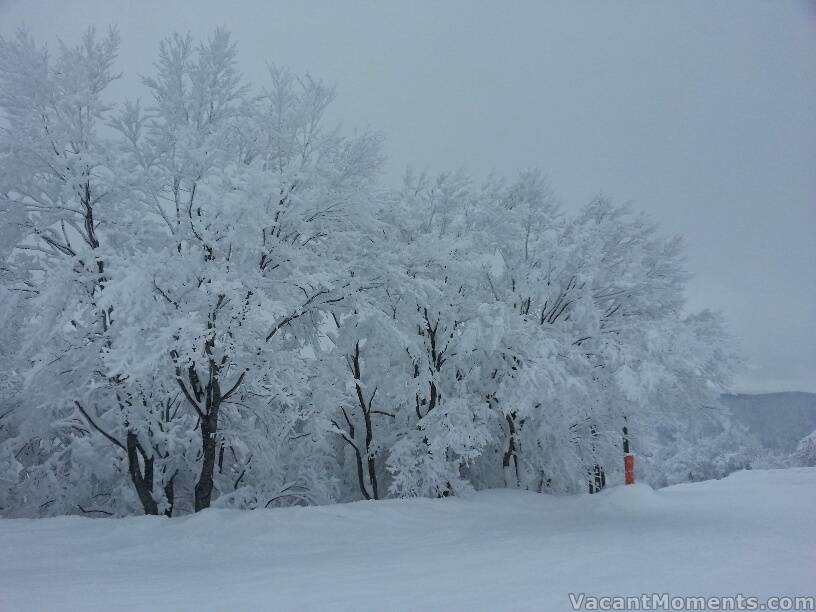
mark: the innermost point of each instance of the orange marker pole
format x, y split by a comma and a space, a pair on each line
629, 469
628, 458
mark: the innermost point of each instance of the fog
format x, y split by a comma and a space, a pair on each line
701, 114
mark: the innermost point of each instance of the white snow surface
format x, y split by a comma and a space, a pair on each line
752, 533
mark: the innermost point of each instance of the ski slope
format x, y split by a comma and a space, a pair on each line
752, 533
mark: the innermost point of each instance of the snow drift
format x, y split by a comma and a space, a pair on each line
751, 533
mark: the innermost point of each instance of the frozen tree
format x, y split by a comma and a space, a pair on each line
252, 201
805, 453
58, 197
232, 212
443, 423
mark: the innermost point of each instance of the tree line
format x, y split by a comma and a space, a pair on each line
214, 299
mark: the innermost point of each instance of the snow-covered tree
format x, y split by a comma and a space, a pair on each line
58, 196
231, 220
253, 201
805, 453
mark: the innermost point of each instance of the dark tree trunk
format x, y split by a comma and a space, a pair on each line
369, 434
370, 468
142, 480
625, 436
597, 477
360, 475
372, 477
511, 453
209, 444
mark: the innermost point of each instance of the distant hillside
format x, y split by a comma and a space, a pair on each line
779, 420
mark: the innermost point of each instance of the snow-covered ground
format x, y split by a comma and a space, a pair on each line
752, 533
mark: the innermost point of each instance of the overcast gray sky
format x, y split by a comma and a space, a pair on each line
701, 113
